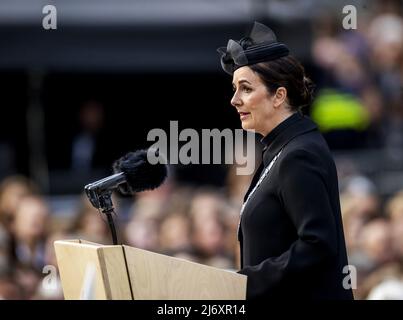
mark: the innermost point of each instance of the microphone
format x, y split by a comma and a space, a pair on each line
132, 173
139, 173
105, 184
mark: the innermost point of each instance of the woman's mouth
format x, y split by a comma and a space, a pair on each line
244, 115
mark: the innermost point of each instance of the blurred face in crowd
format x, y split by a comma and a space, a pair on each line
91, 116
397, 234
394, 207
142, 233
92, 225
30, 219
174, 232
203, 207
209, 237
257, 108
376, 241
11, 197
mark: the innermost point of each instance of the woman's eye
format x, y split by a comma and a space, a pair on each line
246, 89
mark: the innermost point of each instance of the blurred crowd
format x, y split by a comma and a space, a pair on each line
359, 104
373, 230
197, 224
359, 78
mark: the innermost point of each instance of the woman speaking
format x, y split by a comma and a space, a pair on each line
291, 234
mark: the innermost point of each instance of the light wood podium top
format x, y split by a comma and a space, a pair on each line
93, 271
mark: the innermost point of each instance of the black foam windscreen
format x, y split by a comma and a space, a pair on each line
140, 174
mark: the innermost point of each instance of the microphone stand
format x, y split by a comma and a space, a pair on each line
103, 200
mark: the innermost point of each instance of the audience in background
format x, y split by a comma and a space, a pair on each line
359, 104
86, 143
198, 225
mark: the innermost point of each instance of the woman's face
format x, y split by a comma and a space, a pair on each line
252, 101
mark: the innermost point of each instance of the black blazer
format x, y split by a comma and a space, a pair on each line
291, 233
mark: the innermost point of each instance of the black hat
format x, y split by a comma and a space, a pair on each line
261, 45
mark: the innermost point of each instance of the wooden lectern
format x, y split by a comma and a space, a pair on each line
93, 271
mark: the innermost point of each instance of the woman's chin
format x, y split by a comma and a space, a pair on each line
246, 125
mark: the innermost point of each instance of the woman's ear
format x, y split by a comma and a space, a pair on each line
280, 97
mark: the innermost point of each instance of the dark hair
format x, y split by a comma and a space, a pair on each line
289, 73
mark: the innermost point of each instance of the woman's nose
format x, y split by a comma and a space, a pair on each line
235, 101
